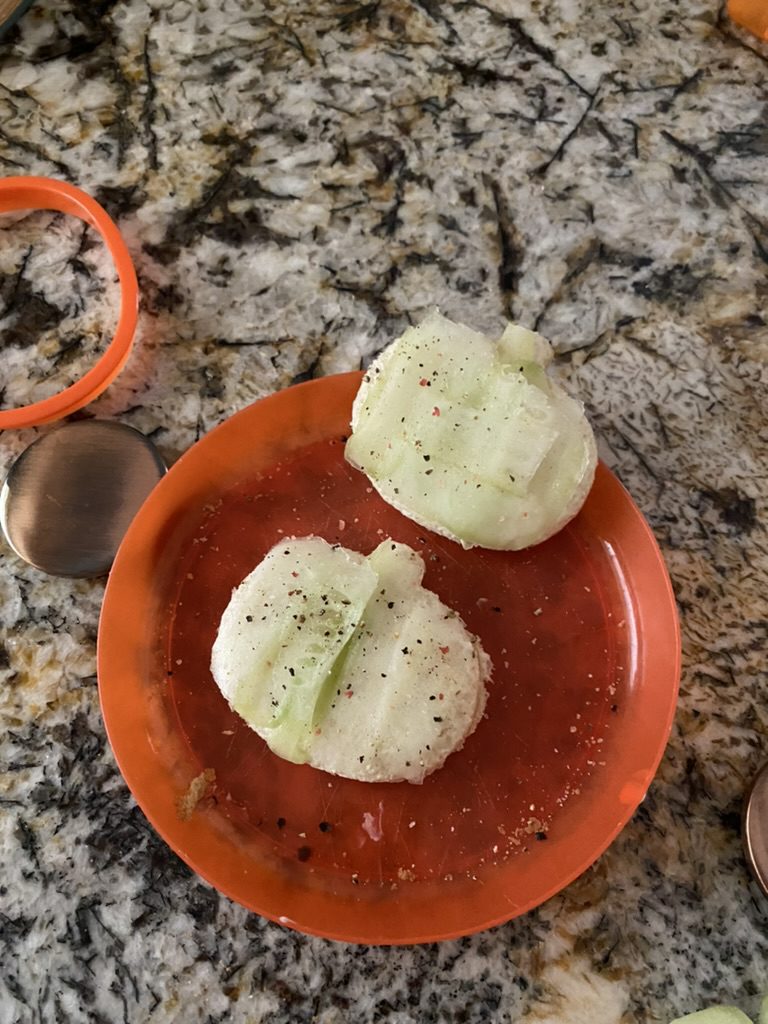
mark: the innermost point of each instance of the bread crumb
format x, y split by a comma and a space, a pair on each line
187, 803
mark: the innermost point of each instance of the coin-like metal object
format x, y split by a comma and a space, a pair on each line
69, 498
755, 828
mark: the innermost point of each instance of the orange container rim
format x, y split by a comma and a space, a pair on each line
32, 193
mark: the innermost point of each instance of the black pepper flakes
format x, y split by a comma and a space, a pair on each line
304, 853
249, 618
281, 822
325, 826
541, 836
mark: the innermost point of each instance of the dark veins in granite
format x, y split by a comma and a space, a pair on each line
295, 187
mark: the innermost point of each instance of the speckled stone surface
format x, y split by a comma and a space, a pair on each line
294, 187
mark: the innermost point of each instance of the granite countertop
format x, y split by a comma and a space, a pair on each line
294, 188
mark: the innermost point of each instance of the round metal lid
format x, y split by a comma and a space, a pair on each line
69, 498
756, 828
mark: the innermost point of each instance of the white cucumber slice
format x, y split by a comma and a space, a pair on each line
471, 438
715, 1015
348, 663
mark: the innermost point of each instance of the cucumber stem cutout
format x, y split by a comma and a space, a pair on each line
470, 437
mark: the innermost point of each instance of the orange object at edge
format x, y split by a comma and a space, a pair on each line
750, 14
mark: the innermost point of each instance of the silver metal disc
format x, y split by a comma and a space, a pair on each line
69, 498
756, 828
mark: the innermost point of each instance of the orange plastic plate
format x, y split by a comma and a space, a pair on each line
584, 639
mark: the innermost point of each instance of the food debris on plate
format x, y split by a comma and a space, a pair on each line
196, 791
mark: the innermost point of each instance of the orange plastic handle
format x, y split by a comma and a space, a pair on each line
28, 193
751, 14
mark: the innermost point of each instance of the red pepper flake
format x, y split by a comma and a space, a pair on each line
436, 411
349, 693
295, 575
424, 382
444, 650
440, 696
